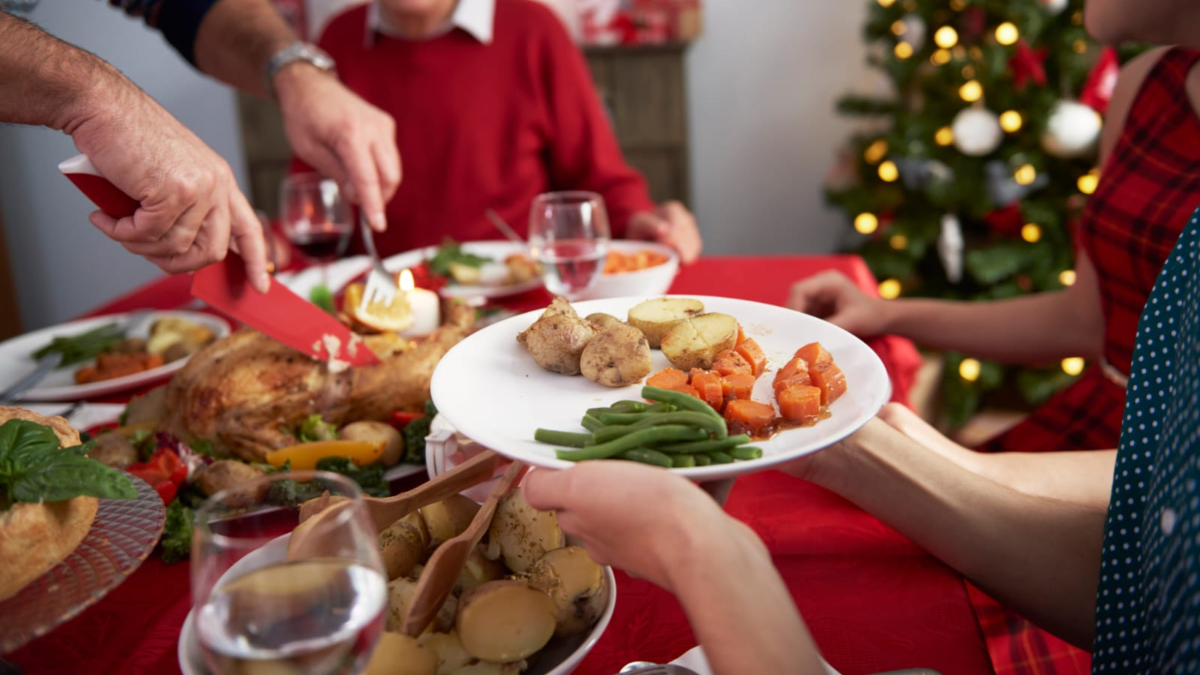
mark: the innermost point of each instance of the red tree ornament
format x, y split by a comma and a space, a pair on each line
1027, 64
1098, 89
1006, 221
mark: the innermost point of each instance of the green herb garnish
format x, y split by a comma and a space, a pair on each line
291, 493
414, 436
83, 347
177, 533
314, 428
322, 297
34, 469
451, 252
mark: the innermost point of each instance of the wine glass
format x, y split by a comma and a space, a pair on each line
568, 236
257, 609
314, 217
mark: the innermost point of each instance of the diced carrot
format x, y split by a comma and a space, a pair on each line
750, 351
748, 417
796, 366
799, 403
830, 379
814, 354
728, 362
708, 385
687, 389
741, 336
800, 379
668, 378
738, 386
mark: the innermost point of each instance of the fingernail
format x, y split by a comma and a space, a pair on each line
378, 221
264, 282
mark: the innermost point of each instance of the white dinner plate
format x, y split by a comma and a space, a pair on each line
16, 358
489, 388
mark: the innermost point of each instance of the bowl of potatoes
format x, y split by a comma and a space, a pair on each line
527, 601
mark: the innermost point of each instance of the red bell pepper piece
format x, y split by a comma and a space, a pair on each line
401, 418
164, 471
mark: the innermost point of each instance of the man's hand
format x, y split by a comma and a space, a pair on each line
672, 225
833, 297
341, 136
191, 210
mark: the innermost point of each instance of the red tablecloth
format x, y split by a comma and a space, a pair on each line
873, 600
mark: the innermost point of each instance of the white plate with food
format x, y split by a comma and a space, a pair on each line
155, 344
490, 388
561, 655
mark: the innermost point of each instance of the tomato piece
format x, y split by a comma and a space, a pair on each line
402, 418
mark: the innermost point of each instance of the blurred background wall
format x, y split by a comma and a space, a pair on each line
761, 84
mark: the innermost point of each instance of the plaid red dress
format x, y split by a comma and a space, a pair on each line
1150, 187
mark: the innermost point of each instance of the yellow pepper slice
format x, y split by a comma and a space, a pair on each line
304, 456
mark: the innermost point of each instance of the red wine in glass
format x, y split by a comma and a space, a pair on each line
322, 245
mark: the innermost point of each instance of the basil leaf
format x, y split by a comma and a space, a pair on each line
60, 476
21, 441
82, 449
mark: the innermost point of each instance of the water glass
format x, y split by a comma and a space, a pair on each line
568, 236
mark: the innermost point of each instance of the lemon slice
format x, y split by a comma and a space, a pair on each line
376, 315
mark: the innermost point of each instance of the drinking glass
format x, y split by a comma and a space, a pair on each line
568, 236
320, 612
314, 217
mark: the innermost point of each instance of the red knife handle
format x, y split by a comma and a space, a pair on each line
106, 196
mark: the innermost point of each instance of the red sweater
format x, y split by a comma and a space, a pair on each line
482, 126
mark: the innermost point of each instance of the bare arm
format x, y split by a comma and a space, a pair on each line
329, 127
1037, 555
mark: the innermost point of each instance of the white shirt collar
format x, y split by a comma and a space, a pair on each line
473, 16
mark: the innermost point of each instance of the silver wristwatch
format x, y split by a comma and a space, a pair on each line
297, 51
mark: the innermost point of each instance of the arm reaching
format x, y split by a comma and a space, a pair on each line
329, 127
1040, 556
665, 529
191, 210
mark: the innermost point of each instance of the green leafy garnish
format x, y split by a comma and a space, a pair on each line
34, 469
291, 493
83, 347
314, 428
177, 533
145, 442
322, 297
414, 436
204, 447
451, 252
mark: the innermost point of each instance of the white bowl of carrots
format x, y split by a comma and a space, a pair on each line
635, 268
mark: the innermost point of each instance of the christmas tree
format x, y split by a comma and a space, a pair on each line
976, 164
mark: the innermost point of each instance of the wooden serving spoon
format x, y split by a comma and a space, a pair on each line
446, 563
386, 510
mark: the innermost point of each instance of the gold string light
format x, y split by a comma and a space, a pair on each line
1025, 174
1087, 182
866, 223
899, 27
1079, 46
1066, 277
903, 50
945, 37
969, 369
1010, 121
875, 151
885, 3
971, 91
888, 171
889, 289
940, 57
1030, 232
1007, 34
1073, 365
958, 5
898, 242
944, 136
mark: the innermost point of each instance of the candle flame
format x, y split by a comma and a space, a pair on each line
406, 281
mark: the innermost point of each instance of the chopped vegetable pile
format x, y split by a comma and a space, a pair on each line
451, 252
83, 347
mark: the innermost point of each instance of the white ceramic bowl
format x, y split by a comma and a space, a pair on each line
650, 281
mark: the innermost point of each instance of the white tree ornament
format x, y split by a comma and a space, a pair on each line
977, 131
950, 247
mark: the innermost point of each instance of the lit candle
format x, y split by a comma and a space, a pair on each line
425, 304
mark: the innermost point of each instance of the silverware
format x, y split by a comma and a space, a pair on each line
44, 365
649, 668
381, 287
504, 227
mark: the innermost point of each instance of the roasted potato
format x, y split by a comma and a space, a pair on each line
601, 320
149, 408
557, 339
402, 545
655, 317
400, 593
399, 654
504, 621
375, 432
575, 583
449, 649
695, 342
478, 570
618, 356
171, 330
227, 473
448, 518
114, 450
521, 533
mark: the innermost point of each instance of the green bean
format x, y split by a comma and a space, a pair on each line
681, 401
746, 452
568, 438
721, 457
681, 461
590, 423
629, 406
714, 445
707, 422
607, 433
646, 456
637, 439
597, 412
634, 417
702, 459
